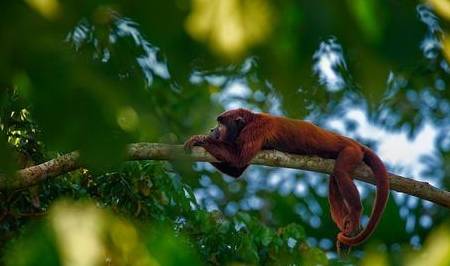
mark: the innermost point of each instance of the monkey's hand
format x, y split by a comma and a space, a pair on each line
197, 140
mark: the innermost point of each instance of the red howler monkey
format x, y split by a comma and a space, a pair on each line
241, 134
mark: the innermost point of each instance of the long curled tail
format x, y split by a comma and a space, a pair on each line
381, 198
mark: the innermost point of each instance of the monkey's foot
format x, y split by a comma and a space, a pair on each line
343, 249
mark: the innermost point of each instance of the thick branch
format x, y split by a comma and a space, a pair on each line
154, 151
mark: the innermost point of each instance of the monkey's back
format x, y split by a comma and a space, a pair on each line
303, 137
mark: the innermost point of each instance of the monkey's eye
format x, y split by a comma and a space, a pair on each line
211, 130
220, 119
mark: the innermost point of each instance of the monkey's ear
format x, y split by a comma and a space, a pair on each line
240, 121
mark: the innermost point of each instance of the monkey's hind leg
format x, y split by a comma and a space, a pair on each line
347, 160
338, 208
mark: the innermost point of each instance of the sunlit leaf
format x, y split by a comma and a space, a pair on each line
436, 249
442, 7
230, 27
48, 8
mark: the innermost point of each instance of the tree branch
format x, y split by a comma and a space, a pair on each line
154, 151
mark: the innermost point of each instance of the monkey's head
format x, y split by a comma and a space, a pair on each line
230, 124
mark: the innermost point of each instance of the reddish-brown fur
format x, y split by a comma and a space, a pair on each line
241, 134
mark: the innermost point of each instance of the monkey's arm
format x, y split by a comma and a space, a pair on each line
237, 155
225, 152
226, 168
219, 150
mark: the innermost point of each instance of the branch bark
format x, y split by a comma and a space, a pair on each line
154, 151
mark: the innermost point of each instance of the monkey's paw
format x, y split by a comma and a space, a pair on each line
197, 140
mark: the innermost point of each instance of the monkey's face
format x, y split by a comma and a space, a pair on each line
228, 128
219, 132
